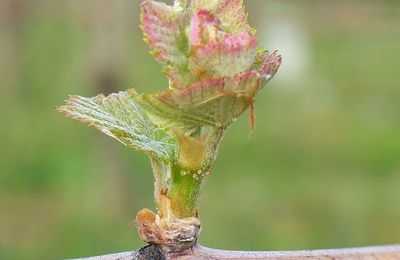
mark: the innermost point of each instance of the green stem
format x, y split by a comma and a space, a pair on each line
184, 193
182, 188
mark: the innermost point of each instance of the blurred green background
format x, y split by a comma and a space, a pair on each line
321, 169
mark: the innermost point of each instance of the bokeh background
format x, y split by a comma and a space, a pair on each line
321, 169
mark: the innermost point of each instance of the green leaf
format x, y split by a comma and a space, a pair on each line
213, 102
120, 117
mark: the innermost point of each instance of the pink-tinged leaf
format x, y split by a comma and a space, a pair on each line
231, 13
161, 25
216, 52
270, 65
233, 16
179, 77
195, 5
214, 102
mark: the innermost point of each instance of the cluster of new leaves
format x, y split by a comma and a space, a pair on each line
200, 39
209, 53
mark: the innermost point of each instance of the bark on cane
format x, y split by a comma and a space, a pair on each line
202, 253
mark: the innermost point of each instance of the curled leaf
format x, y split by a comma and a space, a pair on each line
214, 102
161, 25
216, 52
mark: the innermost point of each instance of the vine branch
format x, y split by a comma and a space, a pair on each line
391, 252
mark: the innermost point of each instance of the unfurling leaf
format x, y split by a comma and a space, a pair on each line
120, 117
161, 26
215, 102
215, 51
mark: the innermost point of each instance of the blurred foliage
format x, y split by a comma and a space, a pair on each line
321, 169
